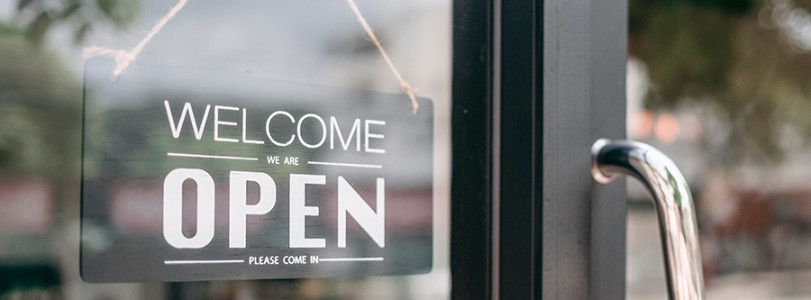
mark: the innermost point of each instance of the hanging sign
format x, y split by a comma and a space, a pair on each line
192, 175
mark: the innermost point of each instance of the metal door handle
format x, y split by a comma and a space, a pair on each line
672, 201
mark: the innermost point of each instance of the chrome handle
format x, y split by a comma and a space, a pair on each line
673, 203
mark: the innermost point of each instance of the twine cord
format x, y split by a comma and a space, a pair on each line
405, 87
124, 58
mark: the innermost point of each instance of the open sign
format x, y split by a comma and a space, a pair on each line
249, 178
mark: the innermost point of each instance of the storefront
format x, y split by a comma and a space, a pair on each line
321, 150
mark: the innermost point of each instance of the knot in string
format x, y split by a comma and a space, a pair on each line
407, 89
124, 58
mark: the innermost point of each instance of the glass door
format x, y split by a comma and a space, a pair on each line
74, 76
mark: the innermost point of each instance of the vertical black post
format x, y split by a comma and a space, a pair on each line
471, 118
534, 84
519, 159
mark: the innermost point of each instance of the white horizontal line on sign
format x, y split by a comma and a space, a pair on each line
337, 164
210, 156
197, 262
353, 259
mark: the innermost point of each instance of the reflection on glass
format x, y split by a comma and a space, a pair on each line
726, 95
316, 43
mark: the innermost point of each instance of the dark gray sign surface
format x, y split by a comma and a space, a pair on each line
195, 175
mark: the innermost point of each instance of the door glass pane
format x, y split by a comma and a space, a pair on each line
313, 43
723, 87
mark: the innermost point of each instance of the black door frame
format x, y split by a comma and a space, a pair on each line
534, 84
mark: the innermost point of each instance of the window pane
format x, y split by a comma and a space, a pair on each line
314, 43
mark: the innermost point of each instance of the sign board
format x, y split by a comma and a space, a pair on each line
194, 175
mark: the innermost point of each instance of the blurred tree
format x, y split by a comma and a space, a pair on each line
36, 17
40, 99
39, 108
747, 60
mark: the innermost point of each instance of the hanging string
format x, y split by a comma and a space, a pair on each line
405, 87
124, 58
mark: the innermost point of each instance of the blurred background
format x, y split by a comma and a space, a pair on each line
303, 41
724, 87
